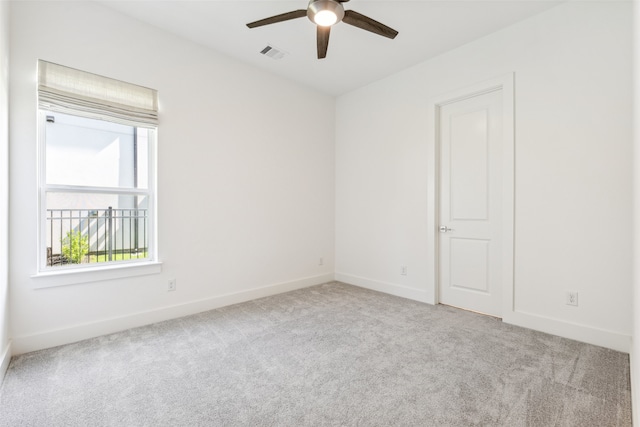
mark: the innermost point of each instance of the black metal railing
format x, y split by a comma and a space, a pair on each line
96, 235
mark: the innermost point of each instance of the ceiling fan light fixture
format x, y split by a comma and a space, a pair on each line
325, 18
325, 12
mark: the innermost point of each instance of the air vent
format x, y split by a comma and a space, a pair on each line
273, 52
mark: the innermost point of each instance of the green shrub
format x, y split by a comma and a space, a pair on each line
75, 247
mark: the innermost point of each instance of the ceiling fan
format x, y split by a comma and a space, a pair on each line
325, 13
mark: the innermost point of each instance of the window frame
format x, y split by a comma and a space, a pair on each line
110, 269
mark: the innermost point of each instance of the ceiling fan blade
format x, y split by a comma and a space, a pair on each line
358, 20
278, 18
323, 40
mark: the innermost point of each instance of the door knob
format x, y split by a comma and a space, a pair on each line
445, 229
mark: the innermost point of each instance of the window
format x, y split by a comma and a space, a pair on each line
97, 161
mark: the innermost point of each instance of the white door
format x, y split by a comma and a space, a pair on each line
470, 142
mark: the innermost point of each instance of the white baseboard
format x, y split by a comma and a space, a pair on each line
388, 288
53, 338
4, 361
590, 335
47, 339
600, 337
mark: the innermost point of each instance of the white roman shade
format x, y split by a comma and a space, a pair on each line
68, 90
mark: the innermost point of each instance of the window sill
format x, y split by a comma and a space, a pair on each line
49, 279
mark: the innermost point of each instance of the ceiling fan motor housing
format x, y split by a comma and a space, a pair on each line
317, 6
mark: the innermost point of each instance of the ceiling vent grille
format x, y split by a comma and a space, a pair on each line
273, 52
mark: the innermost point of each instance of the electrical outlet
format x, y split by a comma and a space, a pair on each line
403, 270
171, 286
572, 298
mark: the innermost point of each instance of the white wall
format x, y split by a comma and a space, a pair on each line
573, 170
5, 351
234, 143
635, 347
246, 190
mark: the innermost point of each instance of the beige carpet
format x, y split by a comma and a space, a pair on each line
329, 355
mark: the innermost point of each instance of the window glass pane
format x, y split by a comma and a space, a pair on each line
95, 228
88, 152
142, 158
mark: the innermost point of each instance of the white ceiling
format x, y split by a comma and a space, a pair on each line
355, 57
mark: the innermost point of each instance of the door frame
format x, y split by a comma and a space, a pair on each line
504, 83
